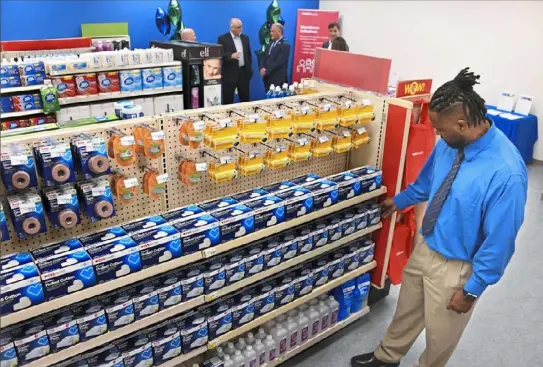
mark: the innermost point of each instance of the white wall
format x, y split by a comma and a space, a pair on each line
501, 40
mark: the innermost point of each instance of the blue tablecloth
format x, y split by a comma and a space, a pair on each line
522, 132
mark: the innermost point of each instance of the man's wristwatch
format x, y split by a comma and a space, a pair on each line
469, 296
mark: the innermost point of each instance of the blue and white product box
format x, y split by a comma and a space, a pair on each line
27, 214
143, 225
131, 80
145, 298
13, 260
58, 248
298, 202
284, 291
336, 265
192, 282
277, 187
289, 247
217, 204
321, 272
335, 229
370, 178
344, 295
242, 197
54, 161
159, 245
243, 309
109, 356
214, 276
198, 233
166, 348
8, 354
367, 251
349, 185
187, 212
10, 81
17, 160
268, 211
273, 254
136, 350
62, 200
27, 80
63, 336
319, 231
360, 293
66, 273
172, 76
219, 319
348, 224
305, 179
91, 319
214, 362
115, 259
97, 199
374, 214
89, 153
264, 299
32, 346
305, 240
236, 221
152, 78
193, 329
6, 105
32, 68
325, 193
7, 70
352, 259
119, 308
254, 260
235, 268
21, 288
103, 237
171, 292
303, 282
361, 217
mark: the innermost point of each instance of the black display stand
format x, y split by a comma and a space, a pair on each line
201, 63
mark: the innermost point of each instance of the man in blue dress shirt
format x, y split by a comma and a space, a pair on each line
475, 183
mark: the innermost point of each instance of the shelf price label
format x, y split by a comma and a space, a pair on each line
157, 135
199, 125
64, 199
225, 123
27, 208
127, 140
201, 167
323, 138
17, 160
163, 178
131, 182
98, 191
225, 159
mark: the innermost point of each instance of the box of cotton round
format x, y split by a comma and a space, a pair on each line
217, 204
158, 245
219, 318
348, 185
192, 282
187, 212
145, 298
21, 288
31, 341
303, 281
235, 221
325, 193
48, 250
119, 308
136, 350
243, 308
198, 233
62, 329
115, 259
279, 187
268, 211
264, 299
370, 178
305, 179
66, 273
249, 195
105, 236
193, 329
215, 275
13, 260
8, 354
91, 319
170, 292
166, 341
298, 202
143, 225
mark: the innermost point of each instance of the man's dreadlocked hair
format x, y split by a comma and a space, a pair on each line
460, 90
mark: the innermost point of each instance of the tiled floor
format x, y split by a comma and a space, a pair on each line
507, 326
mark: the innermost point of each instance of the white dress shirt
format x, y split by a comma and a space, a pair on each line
239, 49
330, 44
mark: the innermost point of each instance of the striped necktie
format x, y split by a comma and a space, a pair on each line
434, 209
272, 46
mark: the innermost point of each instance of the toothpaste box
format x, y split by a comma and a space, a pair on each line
109, 234
21, 288
8, 354
249, 195
268, 211
66, 273
143, 225
119, 308
305, 179
298, 202
254, 260
170, 293
348, 185
279, 187
187, 212
219, 319
11, 261
284, 291
145, 298
193, 329
214, 276
31, 346
115, 259
235, 221
192, 282
264, 299
217, 204
91, 319
158, 245
56, 249
370, 178
198, 233
325, 193
166, 347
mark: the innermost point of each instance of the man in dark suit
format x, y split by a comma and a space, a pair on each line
275, 63
237, 70
333, 33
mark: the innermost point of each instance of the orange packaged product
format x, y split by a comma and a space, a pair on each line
191, 133
153, 143
125, 190
138, 137
122, 148
190, 174
154, 184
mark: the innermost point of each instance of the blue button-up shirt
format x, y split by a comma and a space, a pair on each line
483, 213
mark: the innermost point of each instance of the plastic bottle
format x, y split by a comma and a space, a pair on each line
334, 310
260, 350
241, 344
284, 88
219, 352
277, 93
303, 308
280, 335
230, 349
325, 316
292, 313
314, 320
250, 338
314, 303
292, 328
261, 334
291, 91
303, 328
344, 295
269, 326
251, 359
227, 361
271, 348
269, 93
239, 360
281, 319
362, 284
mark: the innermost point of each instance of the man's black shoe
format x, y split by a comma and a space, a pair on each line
369, 360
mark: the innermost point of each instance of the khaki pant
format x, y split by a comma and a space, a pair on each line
429, 281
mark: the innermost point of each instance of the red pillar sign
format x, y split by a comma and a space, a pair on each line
311, 32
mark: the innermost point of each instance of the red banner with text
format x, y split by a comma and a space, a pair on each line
311, 32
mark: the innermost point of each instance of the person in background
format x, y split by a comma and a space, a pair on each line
188, 35
275, 62
475, 182
237, 69
333, 32
339, 44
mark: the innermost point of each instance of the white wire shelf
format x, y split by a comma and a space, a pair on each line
103, 97
114, 68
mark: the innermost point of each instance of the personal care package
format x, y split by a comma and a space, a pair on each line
254, 259
4, 231
62, 206
27, 102
172, 77
348, 185
193, 329
31, 341
145, 298
96, 199
219, 318
152, 78
244, 196
198, 233
217, 204
13, 260
371, 178
21, 288
62, 329
8, 354
236, 221
268, 211
27, 214
54, 162
305, 179
170, 291
215, 275
119, 308
57, 248
242, 306
278, 187
158, 245
186, 212
131, 81
325, 193
321, 272
303, 281
284, 290
298, 202
91, 319
136, 350
143, 224
108, 234
90, 155
165, 340
192, 282
115, 259
18, 167
234, 267
264, 298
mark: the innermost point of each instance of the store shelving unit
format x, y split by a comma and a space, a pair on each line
115, 68
103, 97
21, 89
9, 115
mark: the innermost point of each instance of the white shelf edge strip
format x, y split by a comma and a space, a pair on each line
281, 310
119, 333
320, 337
114, 68
101, 97
100, 289
21, 89
8, 115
